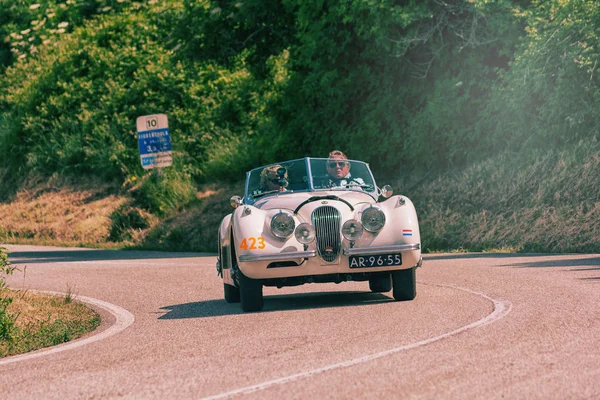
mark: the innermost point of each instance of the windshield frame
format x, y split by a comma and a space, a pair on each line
311, 188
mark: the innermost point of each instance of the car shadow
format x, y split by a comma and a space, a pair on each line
78, 255
287, 302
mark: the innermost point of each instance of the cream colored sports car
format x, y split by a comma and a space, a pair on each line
317, 220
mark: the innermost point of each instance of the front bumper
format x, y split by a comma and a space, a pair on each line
374, 250
286, 256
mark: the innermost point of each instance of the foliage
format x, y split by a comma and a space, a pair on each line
125, 221
549, 94
407, 78
26, 25
6, 320
72, 108
540, 201
163, 191
402, 84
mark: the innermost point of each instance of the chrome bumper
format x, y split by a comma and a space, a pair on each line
279, 256
313, 253
380, 249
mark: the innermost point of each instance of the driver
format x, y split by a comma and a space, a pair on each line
269, 180
338, 169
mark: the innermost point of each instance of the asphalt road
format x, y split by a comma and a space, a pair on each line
482, 326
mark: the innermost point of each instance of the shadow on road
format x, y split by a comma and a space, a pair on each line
575, 262
77, 255
217, 308
458, 256
586, 264
590, 263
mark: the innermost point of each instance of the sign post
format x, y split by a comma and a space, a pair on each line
154, 141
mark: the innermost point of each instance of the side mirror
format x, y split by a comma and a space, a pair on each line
235, 201
387, 191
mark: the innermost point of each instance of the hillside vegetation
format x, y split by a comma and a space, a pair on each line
483, 112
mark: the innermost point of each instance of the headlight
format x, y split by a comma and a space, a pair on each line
352, 230
373, 219
282, 225
305, 233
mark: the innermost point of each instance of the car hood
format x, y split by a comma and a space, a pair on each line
290, 201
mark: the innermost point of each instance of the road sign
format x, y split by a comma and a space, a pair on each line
154, 141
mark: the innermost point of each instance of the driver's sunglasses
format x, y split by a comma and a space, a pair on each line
340, 164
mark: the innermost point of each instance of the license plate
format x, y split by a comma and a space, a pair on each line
380, 260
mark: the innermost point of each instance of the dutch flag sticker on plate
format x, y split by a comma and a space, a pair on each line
406, 232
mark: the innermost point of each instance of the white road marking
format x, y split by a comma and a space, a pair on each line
124, 319
501, 309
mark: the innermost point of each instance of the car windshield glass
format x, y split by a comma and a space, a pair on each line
337, 174
284, 177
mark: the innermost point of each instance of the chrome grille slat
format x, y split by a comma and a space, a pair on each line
326, 221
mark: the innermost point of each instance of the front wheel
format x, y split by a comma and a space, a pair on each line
232, 293
405, 284
380, 284
251, 295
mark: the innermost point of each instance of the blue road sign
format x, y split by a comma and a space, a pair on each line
154, 141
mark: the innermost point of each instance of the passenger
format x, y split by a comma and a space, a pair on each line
338, 169
270, 181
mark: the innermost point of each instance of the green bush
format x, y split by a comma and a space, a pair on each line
72, 107
163, 191
125, 220
7, 321
26, 26
549, 96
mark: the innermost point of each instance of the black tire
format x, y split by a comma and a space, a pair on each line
232, 293
251, 295
380, 284
405, 284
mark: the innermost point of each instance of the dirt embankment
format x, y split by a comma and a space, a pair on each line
96, 214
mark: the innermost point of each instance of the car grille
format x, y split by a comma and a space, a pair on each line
326, 221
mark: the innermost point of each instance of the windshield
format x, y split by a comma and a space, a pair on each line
338, 174
308, 174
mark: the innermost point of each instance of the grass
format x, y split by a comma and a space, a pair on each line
59, 212
544, 202
41, 320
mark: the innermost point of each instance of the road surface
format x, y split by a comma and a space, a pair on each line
483, 326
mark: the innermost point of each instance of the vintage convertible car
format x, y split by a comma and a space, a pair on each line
306, 227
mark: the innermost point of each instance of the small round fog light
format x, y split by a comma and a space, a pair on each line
305, 233
352, 230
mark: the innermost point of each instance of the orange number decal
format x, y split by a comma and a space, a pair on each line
252, 243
